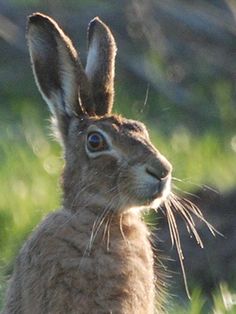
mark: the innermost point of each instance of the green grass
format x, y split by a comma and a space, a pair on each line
30, 165
207, 159
223, 302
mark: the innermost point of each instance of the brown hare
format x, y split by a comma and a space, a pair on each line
94, 255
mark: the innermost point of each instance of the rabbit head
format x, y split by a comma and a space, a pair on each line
109, 160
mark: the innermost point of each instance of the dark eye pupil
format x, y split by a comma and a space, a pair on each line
95, 140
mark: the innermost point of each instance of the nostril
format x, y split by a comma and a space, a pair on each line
160, 183
164, 174
153, 173
159, 175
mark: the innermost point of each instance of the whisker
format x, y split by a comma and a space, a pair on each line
169, 224
197, 212
99, 222
93, 235
146, 98
185, 208
84, 188
174, 233
185, 192
121, 229
190, 224
108, 232
201, 186
96, 227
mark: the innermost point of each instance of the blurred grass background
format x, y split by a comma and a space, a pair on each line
176, 69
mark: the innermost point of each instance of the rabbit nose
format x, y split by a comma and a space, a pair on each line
159, 175
160, 169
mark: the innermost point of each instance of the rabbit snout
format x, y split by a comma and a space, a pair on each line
160, 182
153, 180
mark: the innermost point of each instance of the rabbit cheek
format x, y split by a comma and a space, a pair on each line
131, 189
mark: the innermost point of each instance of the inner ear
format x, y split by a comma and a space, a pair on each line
55, 64
100, 68
58, 72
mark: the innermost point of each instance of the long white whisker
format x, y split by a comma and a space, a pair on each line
201, 186
176, 240
96, 227
188, 220
108, 227
186, 209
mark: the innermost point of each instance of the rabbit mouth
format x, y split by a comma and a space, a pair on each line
153, 194
159, 192
157, 189
142, 188
150, 185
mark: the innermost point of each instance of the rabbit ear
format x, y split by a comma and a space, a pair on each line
100, 68
57, 70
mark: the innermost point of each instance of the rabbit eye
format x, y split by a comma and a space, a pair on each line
96, 142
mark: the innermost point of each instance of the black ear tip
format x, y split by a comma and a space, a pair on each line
98, 26
94, 21
38, 21
38, 18
92, 26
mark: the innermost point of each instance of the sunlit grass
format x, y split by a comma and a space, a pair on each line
195, 306
29, 167
223, 302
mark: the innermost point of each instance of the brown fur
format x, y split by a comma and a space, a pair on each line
94, 255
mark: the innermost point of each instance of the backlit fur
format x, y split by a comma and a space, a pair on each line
93, 255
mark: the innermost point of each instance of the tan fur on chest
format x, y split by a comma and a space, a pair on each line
119, 272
